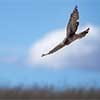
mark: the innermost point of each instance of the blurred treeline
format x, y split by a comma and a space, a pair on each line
49, 93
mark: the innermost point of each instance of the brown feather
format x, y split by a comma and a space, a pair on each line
73, 23
71, 30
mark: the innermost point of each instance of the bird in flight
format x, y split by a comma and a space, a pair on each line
70, 32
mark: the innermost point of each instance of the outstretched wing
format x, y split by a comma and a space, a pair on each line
56, 48
73, 23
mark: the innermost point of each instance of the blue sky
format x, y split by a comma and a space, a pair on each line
23, 22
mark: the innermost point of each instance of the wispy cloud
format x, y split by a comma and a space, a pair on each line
81, 53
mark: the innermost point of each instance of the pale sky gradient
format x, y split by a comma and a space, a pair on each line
24, 23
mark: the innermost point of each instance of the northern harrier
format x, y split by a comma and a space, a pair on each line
70, 32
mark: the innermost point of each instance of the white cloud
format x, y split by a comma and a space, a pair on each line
79, 53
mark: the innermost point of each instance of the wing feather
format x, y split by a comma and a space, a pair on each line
56, 48
73, 22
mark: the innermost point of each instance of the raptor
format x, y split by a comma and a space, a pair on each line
71, 34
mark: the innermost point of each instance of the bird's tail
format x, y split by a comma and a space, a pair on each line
83, 33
